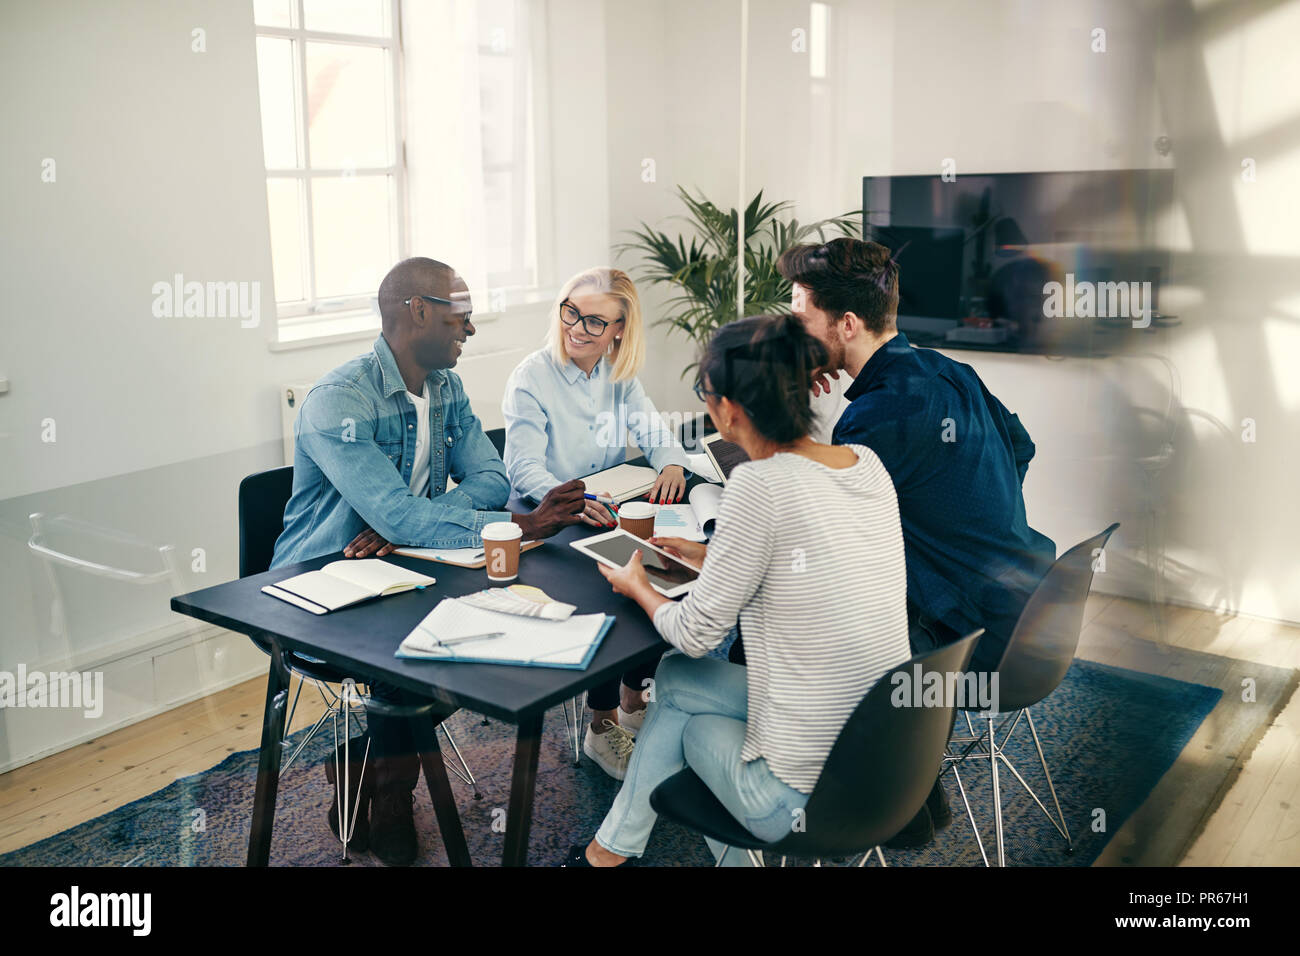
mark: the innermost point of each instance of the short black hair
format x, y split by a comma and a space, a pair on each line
847, 275
765, 364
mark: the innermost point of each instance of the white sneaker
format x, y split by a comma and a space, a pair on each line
612, 750
631, 722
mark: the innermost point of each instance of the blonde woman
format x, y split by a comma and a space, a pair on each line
569, 409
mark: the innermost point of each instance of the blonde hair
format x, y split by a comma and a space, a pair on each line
627, 351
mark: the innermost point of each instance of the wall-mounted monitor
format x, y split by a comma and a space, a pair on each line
1061, 262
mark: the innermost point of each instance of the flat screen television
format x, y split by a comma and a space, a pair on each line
1059, 262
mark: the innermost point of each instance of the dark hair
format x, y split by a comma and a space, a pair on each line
765, 364
847, 275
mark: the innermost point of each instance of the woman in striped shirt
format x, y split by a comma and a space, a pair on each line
808, 558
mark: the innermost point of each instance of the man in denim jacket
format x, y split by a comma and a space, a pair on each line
375, 442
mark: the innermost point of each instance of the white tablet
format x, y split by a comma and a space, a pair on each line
669, 576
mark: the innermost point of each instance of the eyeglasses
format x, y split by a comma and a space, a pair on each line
594, 324
439, 301
701, 391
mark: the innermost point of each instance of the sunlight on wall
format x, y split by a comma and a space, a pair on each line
1268, 229
1254, 73
1283, 338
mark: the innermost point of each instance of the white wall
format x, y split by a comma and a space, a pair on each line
1013, 85
159, 171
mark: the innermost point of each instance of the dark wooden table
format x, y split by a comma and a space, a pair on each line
361, 641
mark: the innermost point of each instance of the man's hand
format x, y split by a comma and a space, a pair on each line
692, 552
822, 383
367, 543
562, 506
669, 485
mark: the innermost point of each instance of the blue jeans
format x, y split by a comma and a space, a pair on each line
697, 720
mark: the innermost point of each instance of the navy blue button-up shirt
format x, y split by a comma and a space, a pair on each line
958, 459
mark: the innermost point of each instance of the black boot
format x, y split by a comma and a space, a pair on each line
937, 804
392, 816
916, 834
360, 788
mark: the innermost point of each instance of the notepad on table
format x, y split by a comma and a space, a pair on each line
447, 632
343, 583
460, 557
622, 482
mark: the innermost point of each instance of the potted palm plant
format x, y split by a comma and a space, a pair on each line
703, 272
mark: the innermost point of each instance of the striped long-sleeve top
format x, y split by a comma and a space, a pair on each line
809, 559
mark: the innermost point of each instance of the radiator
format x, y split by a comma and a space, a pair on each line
291, 397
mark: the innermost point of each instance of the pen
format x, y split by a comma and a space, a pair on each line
470, 637
607, 502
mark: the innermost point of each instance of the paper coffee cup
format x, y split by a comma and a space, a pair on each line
638, 518
501, 550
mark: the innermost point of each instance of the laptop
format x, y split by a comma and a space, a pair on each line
723, 455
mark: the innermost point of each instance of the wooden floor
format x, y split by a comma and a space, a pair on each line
1258, 822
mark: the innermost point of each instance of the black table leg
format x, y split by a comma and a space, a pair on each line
444, 801
268, 761
519, 818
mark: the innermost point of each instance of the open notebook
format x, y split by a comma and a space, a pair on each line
524, 641
690, 520
344, 583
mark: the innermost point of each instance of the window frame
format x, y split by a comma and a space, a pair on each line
293, 316
521, 167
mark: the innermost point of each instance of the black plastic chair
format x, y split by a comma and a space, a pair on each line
1035, 661
497, 436
874, 781
262, 500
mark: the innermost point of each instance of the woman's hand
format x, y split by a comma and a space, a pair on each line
669, 485
630, 580
822, 383
692, 552
598, 515
367, 543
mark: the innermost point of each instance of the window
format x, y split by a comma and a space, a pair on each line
506, 115
332, 135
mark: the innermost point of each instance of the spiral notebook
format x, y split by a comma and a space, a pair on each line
507, 638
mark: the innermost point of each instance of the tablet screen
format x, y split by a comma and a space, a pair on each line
726, 455
658, 567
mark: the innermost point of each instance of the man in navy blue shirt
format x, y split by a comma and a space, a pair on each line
957, 456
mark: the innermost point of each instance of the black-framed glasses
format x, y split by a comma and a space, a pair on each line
701, 392
593, 324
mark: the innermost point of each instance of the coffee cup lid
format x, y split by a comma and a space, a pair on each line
636, 509
501, 531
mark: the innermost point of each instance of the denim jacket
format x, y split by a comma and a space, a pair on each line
354, 450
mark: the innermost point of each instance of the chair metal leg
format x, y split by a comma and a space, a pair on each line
961, 788
997, 794
463, 770
330, 715
1065, 832
880, 853
756, 858
573, 714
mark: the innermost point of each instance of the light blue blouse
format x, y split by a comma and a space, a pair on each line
560, 424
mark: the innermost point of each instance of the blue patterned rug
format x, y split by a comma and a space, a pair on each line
1109, 734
